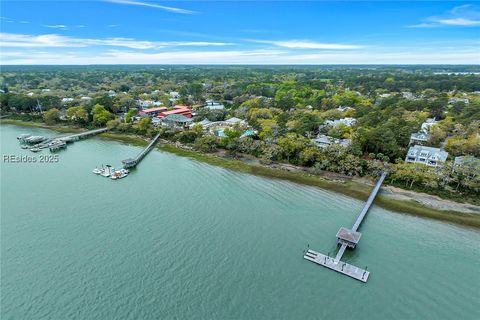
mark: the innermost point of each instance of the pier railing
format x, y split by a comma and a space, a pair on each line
132, 162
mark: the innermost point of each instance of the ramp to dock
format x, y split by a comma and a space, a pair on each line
348, 238
77, 136
132, 162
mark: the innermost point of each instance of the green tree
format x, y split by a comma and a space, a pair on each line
51, 116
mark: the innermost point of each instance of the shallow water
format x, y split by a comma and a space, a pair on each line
181, 239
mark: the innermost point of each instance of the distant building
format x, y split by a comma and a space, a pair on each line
346, 121
233, 121
151, 112
174, 94
176, 120
203, 123
66, 100
30, 94
86, 98
45, 90
323, 141
181, 110
149, 103
419, 138
344, 108
426, 155
384, 95
455, 100
427, 124
111, 93
211, 105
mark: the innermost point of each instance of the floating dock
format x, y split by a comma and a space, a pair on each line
347, 238
132, 162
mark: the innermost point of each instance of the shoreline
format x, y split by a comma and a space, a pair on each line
394, 199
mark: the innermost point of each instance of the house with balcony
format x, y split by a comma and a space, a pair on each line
429, 156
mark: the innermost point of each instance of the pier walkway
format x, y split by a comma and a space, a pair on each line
348, 238
132, 162
78, 136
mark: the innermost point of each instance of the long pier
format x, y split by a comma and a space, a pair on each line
132, 162
348, 238
78, 136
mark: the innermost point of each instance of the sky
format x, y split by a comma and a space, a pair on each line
239, 32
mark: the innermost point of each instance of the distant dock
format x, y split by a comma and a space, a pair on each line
347, 238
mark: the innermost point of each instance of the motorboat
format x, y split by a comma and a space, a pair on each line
97, 171
119, 174
108, 171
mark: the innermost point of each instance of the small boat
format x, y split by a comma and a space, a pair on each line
24, 146
35, 149
119, 174
107, 172
97, 171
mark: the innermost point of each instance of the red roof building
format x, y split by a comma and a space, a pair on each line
182, 110
152, 111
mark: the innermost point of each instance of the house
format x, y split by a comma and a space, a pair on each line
345, 121
233, 121
427, 124
211, 105
86, 98
181, 110
66, 100
323, 141
176, 120
427, 155
111, 93
203, 123
151, 111
384, 95
455, 100
149, 103
344, 108
419, 138
45, 90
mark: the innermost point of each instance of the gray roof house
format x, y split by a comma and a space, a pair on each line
419, 137
323, 141
427, 155
173, 120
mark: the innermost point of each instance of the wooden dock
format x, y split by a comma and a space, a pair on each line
132, 162
81, 135
347, 238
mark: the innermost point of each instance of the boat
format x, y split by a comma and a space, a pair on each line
108, 171
24, 146
119, 174
97, 171
24, 136
35, 149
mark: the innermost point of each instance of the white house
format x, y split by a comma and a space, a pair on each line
419, 138
211, 105
346, 121
455, 100
65, 100
426, 155
427, 124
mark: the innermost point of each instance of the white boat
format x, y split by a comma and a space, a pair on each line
97, 171
119, 174
107, 172
24, 146
35, 149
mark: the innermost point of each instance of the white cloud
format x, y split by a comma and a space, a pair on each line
151, 5
112, 25
305, 44
56, 26
454, 56
462, 16
54, 40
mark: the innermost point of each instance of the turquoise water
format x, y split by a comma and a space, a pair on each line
178, 239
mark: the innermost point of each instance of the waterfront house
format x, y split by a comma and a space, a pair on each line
426, 155
323, 141
203, 123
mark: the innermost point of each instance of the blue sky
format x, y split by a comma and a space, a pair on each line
239, 32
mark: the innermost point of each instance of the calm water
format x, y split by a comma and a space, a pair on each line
178, 239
